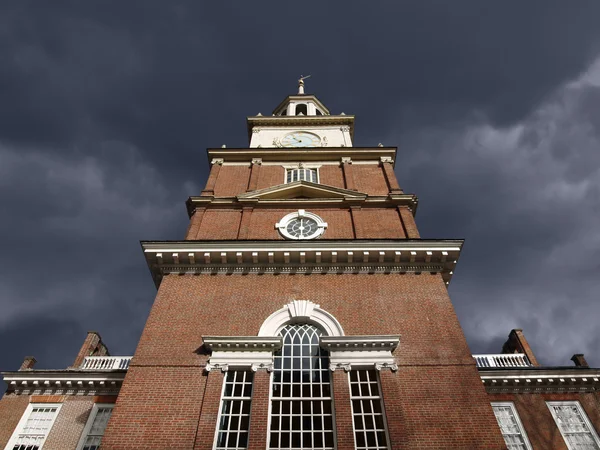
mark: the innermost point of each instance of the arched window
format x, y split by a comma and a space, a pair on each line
301, 402
301, 109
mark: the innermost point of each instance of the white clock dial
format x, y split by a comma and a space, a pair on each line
301, 225
301, 139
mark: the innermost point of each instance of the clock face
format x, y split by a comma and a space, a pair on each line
301, 139
302, 227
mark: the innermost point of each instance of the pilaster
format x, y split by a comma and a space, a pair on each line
259, 411
254, 174
390, 176
348, 173
343, 412
408, 222
209, 413
209, 190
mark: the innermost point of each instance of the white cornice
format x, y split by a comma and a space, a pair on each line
282, 155
318, 256
348, 352
534, 380
241, 343
253, 352
63, 382
263, 121
409, 200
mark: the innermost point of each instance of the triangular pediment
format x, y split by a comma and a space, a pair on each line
302, 189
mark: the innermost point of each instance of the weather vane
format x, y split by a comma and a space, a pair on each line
301, 83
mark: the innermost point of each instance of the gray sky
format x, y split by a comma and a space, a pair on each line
106, 108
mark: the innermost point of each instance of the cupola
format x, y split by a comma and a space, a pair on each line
301, 104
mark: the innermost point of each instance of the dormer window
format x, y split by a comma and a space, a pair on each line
301, 174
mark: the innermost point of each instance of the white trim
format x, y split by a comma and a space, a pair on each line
544, 380
372, 414
301, 311
240, 352
301, 213
365, 352
511, 405
12, 441
90, 421
584, 416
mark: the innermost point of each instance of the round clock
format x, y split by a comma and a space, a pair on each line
301, 225
301, 139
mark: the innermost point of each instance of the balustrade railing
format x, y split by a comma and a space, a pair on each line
502, 360
106, 363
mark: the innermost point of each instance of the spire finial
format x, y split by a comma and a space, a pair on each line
301, 83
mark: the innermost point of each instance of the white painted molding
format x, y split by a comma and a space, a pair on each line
247, 352
550, 379
361, 351
301, 311
64, 382
285, 257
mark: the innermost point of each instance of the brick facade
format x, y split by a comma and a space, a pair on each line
541, 429
433, 394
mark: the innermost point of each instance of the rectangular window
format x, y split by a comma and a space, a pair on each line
511, 426
574, 425
33, 429
301, 175
94, 429
370, 432
234, 418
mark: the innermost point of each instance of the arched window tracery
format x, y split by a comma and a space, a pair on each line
301, 401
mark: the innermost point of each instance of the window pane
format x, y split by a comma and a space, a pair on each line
574, 425
234, 422
367, 410
507, 418
301, 402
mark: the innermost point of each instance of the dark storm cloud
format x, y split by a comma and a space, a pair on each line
106, 108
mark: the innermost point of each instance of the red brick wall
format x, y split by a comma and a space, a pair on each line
220, 224
370, 179
344, 429
207, 423
442, 406
69, 424
378, 223
270, 176
233, 180
12, 408
332, 176
537, 419
259, 409
158, 408
368, 223
437, 372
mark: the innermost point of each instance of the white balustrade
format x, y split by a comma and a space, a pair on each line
502, 360
106, 363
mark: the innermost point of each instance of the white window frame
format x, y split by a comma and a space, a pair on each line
303, 166
273, 398
90, 422
232, 398
584, 416
378, 398
513, 409
13, 439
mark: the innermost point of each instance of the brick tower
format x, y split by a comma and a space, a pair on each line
302, 310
